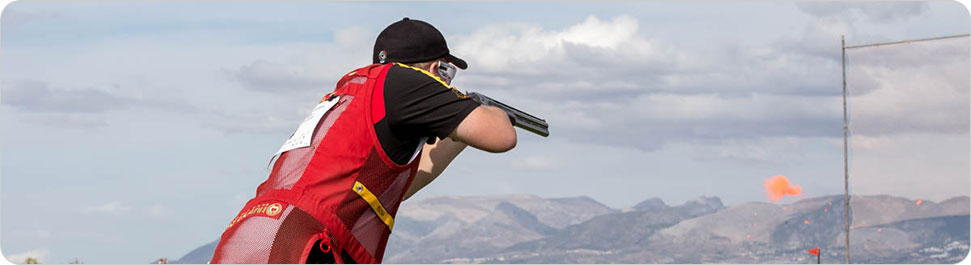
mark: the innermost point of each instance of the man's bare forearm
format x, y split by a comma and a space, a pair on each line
434, 159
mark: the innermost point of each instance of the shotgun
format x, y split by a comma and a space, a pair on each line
519, 118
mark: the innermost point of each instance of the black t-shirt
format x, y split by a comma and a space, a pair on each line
417, 105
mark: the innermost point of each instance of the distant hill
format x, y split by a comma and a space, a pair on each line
530, 229
700, 231
200, 255
451, 226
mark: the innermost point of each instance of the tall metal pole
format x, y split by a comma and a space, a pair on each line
846, 167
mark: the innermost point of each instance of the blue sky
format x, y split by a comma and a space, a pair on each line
136, 130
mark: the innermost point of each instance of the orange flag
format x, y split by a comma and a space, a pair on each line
814, 251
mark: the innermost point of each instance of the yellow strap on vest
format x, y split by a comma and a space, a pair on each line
375, 204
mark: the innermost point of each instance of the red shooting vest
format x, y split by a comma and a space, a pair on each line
344, 179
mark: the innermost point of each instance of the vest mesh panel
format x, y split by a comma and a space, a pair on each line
251, 240
297, 231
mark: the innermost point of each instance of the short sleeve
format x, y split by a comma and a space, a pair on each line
419, 105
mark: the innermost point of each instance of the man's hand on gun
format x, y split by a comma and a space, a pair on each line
519, 118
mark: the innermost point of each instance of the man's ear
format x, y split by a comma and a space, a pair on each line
433, 68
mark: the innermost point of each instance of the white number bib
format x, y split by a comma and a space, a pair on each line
305, 132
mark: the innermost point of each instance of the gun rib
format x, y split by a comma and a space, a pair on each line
521, 119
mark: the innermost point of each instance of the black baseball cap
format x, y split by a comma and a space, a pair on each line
412, 41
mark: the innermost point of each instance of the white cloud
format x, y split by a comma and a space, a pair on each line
536, 162
41, 233
584, 49
36, 96
270, 120
160, 211
630, 90
761, 150
155, 210
67, 120
919, 87
874, 11
605, 81
300, 67
78, 106
604, 34
874, 143
279, 77
34, 234
917, 165
354, 37
287, 78
40, 254
909, 119
114, 208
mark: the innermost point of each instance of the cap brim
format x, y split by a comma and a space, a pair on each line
457, 61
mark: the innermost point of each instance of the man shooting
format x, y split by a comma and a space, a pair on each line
386, 131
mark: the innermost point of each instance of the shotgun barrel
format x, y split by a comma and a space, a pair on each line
520, 119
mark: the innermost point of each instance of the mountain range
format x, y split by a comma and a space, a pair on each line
530, 229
